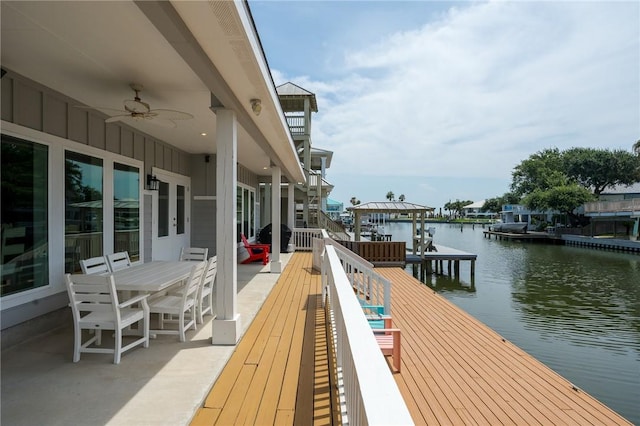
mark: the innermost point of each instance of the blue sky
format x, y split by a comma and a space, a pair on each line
441, 100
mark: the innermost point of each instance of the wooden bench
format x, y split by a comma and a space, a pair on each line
389, 341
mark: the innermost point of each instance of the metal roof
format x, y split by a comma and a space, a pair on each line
622, 189
292, 97
389, 207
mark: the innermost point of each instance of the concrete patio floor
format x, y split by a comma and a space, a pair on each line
162, 385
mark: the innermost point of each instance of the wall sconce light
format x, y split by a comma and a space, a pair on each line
256, 106
152, 183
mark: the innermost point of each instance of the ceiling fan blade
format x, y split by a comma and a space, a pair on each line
159, 121
169, 114
137, 106
115, 118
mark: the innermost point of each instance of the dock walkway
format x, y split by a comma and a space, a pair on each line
434, 260
457, 370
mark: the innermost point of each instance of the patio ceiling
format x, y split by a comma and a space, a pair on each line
181, 52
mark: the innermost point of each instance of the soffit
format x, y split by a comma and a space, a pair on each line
92, 51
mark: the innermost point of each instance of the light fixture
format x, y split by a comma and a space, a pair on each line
152, 183
203, 134
256, 106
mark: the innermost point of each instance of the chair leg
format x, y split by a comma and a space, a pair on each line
77, 342
199, 311
181, 327
118, 346
145, 330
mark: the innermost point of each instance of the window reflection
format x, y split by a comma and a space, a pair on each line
25, 259
180, 207
83, 209
126, 210
163, 209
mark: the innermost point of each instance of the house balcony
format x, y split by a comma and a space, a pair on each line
629, 208
297, 125
306, 356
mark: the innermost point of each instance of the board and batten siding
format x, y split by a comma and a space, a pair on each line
29, 104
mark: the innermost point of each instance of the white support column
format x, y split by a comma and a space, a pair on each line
226, 326
291, 205
276, 200
267, 204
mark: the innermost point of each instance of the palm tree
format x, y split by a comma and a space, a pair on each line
390, 196
401, 198
636, 147
354, 201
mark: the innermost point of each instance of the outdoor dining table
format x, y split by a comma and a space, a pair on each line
152, 277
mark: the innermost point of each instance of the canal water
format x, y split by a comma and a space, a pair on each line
575, 309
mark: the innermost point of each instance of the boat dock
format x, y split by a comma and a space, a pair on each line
434, 261
528, 236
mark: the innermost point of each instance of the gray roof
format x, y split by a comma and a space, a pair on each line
292, 96
390, 207
622, 189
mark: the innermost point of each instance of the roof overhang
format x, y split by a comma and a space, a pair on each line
390, 207
189, 56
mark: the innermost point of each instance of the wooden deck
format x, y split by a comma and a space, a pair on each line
279, 372
455, 370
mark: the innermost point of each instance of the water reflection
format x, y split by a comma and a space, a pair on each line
556, 297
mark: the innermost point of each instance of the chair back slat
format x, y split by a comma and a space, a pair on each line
92, 293
193, 282
194, 253
94, 265
118, 260
211, 271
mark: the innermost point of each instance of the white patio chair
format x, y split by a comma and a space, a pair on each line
181, 305
95, 306
118, 261
194, 253
205, 292
94, 265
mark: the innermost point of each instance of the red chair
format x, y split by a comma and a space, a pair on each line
256, 251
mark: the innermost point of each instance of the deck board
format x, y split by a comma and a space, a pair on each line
279, 372
455, 369
458, 371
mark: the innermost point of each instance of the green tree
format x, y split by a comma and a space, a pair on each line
541, 171
401, 198
495, 204
597, 169
636, 147
456, 206
390, 196
354, 201
564, 199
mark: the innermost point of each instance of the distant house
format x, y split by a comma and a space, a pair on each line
334, 208
475, 210
617, 208
620, 193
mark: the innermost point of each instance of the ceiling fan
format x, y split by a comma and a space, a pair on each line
136, 109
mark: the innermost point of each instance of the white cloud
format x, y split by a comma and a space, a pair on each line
481, 88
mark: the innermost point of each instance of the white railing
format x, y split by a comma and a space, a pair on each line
370, 287
632, 205
369, 393
302, 238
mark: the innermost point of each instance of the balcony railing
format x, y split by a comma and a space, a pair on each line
367, 390
631, 206
369, 393
296, 124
